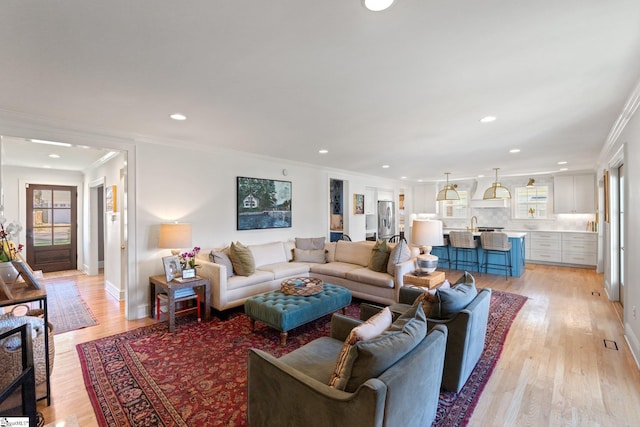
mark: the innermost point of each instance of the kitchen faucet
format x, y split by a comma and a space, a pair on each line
474, 229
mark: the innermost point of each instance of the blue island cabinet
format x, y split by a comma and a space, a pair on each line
517, 256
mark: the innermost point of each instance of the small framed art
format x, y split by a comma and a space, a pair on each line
358, 204
172, 267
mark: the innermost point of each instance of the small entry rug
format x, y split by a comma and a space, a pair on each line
67, 309
197, 375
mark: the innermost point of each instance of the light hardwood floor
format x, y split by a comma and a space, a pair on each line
554, 370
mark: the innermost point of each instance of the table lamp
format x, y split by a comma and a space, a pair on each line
427, 233
174, 236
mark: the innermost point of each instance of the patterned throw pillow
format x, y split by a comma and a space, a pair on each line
428, 297
379, 256
372, 328
221, 258
242, 259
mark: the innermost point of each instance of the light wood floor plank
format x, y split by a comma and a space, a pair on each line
554, 369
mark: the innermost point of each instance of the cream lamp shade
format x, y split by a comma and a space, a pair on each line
426, 234
174, 236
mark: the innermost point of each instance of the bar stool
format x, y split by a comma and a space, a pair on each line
463, 241
498, 244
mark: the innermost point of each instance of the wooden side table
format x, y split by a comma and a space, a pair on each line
159, 284
428, 281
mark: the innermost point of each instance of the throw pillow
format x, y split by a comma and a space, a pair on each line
400, 253
222, 258
428, 297
310, 243
377, 355
379, 256
242, 259
448, 302
313, 255
365, 331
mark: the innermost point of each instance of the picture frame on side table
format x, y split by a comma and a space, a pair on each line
358, 204
172, 267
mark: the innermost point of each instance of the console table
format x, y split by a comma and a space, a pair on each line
159, 284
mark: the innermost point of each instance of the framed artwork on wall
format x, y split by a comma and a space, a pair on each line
263, 203
110, 199
358, 204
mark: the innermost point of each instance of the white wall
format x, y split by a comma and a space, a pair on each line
109, 174
629, 143
15, 179
200, 188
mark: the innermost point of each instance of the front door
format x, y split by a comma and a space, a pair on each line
51, 227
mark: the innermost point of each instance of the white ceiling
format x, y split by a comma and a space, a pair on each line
405, 87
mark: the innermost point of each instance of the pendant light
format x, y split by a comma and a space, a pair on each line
496, 191
448, 192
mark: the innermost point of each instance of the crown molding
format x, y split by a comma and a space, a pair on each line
629, 109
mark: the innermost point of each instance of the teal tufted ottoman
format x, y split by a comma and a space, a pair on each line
285, 312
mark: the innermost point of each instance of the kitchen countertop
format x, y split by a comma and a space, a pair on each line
514, 234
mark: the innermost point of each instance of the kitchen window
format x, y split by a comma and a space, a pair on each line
455, 208
532, 202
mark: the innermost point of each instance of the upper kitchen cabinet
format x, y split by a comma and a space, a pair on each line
424, 198
574, 193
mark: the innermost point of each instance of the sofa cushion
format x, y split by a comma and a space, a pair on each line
370, 277
370, 329
448, 302
268, 253
286, 269
375, 356
335, 269
242, 259
258, 277
399, 253
316, 359
310, 243
353, 252
288, 249
222, 258
330, 249
379, 256
309, 255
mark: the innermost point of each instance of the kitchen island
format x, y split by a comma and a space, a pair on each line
517, 254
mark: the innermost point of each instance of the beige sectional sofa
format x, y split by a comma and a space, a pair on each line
346, 265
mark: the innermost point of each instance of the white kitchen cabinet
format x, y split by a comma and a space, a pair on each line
545, 246
580, 248
424, 198
574, 193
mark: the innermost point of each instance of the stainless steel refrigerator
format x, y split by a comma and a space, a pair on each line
386, 219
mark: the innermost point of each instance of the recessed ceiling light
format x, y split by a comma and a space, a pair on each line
419, 180
514, 150
43, 141
403, 177
178, 116
377, 5
54, 156
46, 167
323, 151
385, 166
564, 169
562, 162
488, 119
480, 176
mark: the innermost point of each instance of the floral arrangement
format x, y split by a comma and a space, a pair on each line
188, 259
8, 250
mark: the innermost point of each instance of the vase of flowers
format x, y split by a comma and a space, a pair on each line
8, 250
188, 259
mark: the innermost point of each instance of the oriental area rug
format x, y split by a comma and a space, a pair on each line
197, 375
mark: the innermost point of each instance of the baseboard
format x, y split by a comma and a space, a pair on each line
114, 290
632, 342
